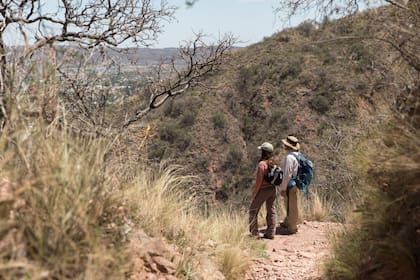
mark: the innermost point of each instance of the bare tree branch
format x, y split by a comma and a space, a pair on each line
198, 61
87, 24
397, 4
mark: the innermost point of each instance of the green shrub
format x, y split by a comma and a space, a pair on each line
283, 39
233, 158
169, 133
383, 240
305, 28
176, 135
246, 168
175, 108
156, 150
183, 141
362, 57
326, 54
219, 121
248, 127
279, 118
320, 103
187, 119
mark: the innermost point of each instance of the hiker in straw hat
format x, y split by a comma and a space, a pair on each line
263, 192
288, 187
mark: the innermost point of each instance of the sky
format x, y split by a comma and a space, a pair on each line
248, 20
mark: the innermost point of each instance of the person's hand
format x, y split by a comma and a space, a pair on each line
283, 193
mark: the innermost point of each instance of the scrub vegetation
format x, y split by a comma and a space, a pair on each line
78, 176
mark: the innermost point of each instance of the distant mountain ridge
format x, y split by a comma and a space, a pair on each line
143, 56
135, 55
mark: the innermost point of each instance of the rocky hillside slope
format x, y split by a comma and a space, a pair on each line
320, 81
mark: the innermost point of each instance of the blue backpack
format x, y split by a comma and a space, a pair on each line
305, 172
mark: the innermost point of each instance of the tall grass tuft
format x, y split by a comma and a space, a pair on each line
61, 217
58, 187
383, 242
320, 208
345, 262
228, 227
233, 262
314, 206
162, 203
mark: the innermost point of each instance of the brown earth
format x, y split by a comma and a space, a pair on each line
296, 257
153, 258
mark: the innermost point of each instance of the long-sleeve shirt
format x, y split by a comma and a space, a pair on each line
290, 169
262, 169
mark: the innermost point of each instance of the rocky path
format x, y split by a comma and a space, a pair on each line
287, 257
295, 257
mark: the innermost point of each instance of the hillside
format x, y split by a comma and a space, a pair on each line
352, 101
318, 81
81, 199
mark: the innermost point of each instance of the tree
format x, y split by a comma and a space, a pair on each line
96, 25
197, 59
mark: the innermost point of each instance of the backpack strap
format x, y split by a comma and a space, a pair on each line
268, 167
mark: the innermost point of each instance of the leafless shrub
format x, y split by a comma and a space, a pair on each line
79, 37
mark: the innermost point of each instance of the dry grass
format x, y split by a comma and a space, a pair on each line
59, 193
345, 262
312, 207
383, 240
228, 228
319, 208
159, 202
67, 212
164, 206
233, 262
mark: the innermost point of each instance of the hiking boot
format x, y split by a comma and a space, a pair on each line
266, 236
282, 225
286, 231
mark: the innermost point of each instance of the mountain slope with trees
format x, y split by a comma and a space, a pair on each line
319, 81
87, 177
349, 89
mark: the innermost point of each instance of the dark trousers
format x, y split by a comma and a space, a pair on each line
267, 195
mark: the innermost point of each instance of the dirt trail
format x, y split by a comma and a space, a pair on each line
295, 257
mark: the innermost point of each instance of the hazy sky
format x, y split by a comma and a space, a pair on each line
249, 20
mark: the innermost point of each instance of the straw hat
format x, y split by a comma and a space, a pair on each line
291, 142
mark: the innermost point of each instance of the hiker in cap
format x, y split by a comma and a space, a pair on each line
263, 192
288, 188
